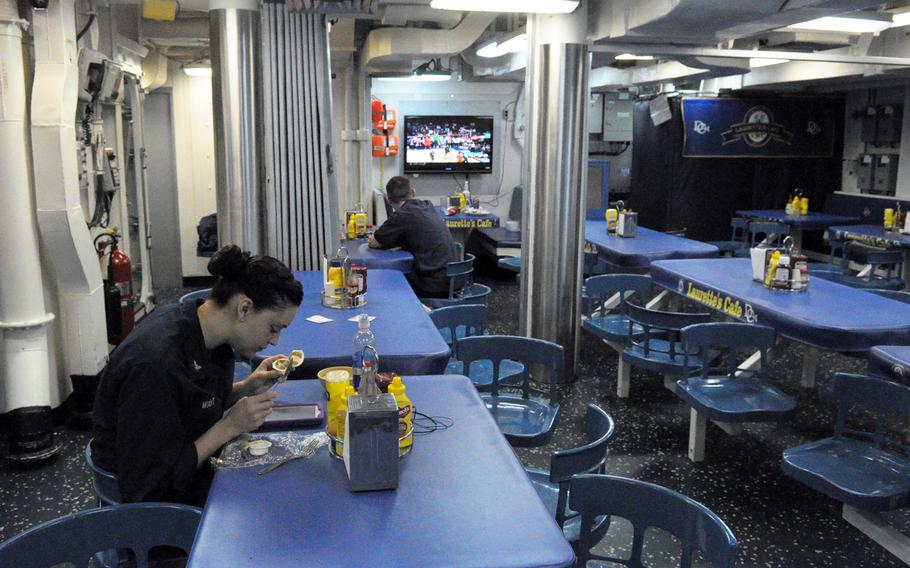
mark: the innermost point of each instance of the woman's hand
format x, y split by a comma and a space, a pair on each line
249, 412
264, 376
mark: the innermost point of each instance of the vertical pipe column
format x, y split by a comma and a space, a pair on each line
61, 219
557, 150
237, 105
24, 363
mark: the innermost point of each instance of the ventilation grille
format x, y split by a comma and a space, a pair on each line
300, 186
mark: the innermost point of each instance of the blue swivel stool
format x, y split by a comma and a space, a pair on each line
462, 288
740, 226
457, 322
720, 389
74, 539
526, 418
553, 485
865, 468
657, 348
105, 483
603, 306
195, 295
836, 262
884, 268
510, 263
646, 505
603, 309
768, 232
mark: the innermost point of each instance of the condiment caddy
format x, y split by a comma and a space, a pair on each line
798, 205
621, 221
897, 220
785, 269
344, 283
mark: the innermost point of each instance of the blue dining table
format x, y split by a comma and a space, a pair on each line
874, 235
891, 362
811, 221
463, 500
407, 340
391, 259
827, 316
643, 249
465, 221
877, 236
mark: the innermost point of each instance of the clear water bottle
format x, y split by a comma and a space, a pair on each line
363, 338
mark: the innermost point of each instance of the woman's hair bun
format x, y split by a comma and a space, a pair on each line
228, 262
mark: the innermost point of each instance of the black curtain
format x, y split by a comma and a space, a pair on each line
702, 194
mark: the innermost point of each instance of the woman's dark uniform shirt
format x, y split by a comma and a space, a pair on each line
161, 390
418, 229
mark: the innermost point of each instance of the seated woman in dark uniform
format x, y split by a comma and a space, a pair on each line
416, 227
159, 412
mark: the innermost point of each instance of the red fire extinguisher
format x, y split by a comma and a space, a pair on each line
118, 288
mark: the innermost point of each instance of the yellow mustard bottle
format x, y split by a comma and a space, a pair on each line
341, 416
405, 413
772, 268
611, 216
335, 390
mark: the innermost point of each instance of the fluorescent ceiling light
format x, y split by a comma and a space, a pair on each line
490, 50
515, 44
632, 57
900, 20
764, 62
847, 24
198, 69
416, 78
521, 6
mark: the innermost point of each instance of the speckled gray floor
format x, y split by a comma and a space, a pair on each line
778, 522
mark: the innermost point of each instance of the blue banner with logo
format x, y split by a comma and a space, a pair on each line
757, 128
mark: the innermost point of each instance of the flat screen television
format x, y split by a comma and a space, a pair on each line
448, 144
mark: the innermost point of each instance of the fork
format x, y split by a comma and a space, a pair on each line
282, 461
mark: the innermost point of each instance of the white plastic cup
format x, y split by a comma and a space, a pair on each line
512, 226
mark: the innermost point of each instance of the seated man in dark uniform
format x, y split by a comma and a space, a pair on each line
416, 227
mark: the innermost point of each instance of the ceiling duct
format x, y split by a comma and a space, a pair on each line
705, 21
394, 49
799, 40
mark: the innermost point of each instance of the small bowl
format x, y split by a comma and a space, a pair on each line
338, 373
258, 447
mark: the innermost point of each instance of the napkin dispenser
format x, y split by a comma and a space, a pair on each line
627, 224
371, 436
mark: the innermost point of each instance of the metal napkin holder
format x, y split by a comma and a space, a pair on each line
371, 434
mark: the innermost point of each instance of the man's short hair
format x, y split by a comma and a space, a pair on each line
398, 189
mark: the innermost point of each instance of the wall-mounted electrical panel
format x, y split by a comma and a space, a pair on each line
888, 128
881, 125
869, 118
865, 164
884, 178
